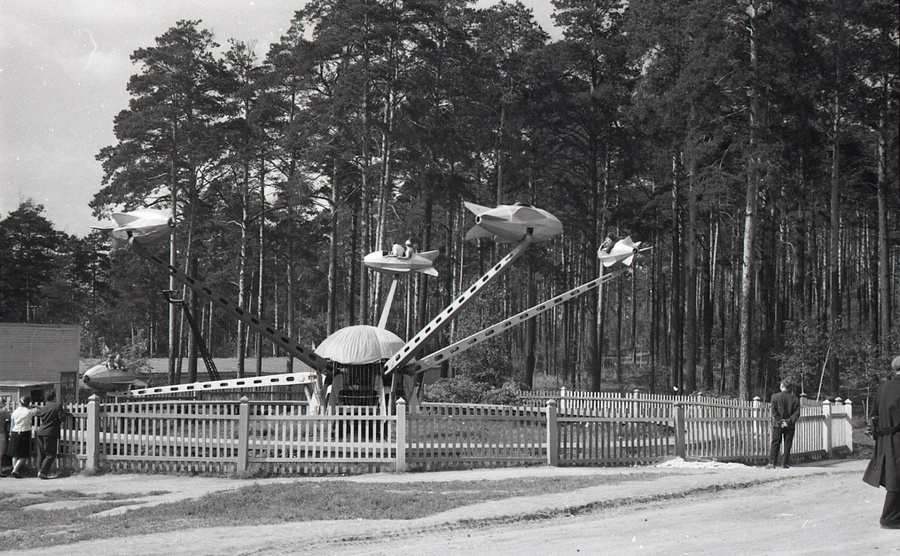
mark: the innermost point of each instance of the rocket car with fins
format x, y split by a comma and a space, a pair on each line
145, 226
107, 378
623, 252
511, 223
388, 263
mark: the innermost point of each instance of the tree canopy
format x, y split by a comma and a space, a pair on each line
753, 144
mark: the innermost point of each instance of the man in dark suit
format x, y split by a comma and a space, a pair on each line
884, 469
51, 417
5, 460
785, 414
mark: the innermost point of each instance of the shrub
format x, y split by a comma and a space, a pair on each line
462, 389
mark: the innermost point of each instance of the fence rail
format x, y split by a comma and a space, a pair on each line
441, 436
622, 436
283, 437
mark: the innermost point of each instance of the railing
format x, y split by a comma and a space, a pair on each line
725, 431
229, 437
284, 438
441, 436
576, 399
622, 435
703, 427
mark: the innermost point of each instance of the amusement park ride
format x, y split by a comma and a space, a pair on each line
361, 365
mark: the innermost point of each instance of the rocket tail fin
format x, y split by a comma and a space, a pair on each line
477, 210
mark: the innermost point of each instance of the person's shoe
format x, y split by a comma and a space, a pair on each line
42, 476
785, 466
16, 475
770, 466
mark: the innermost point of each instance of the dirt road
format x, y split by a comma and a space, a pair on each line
818, 508
820, 514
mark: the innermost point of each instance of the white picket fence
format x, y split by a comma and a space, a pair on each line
699, 427
229, 437
279, 437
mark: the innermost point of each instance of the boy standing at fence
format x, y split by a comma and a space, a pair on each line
884, 469
785, 414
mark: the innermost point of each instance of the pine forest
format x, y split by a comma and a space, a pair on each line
752, 144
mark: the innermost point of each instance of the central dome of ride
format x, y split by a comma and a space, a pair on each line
359, 345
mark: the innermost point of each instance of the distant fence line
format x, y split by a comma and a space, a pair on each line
587, 400
281, 437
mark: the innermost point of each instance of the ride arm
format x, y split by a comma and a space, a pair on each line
457, 348
285, 379
254, 323
407, 352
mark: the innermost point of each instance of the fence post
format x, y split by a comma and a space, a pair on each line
552, 435
848, 426
562, 399
92, 434
680, 448
826, 413
243, 449
401, 435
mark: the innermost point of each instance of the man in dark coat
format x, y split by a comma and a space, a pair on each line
51, 417
785, 414
884, 469
5, 460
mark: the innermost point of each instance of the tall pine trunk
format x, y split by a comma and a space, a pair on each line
753, 168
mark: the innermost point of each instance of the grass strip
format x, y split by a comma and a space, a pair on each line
271, 504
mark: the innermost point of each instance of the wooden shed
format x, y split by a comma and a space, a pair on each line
40, 353
11, 391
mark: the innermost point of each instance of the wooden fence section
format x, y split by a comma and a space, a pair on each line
282, 437
724, 431
622, 435
170, 436
809, 433
443, 436
73, 439
222, 437
838, 426
581, 400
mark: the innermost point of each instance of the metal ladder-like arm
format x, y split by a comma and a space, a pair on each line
407, 352
254, 323
457, 348
232, 384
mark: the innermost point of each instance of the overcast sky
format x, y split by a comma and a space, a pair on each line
64, 65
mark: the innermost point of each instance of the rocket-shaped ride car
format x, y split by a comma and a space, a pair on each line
145, 226
387, 262
511, 223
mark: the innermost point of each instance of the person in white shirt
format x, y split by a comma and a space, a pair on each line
20, 435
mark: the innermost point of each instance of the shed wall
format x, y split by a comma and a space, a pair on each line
38, 352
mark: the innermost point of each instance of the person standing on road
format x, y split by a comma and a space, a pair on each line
20, 435
884, 469
785, 414
51, 417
